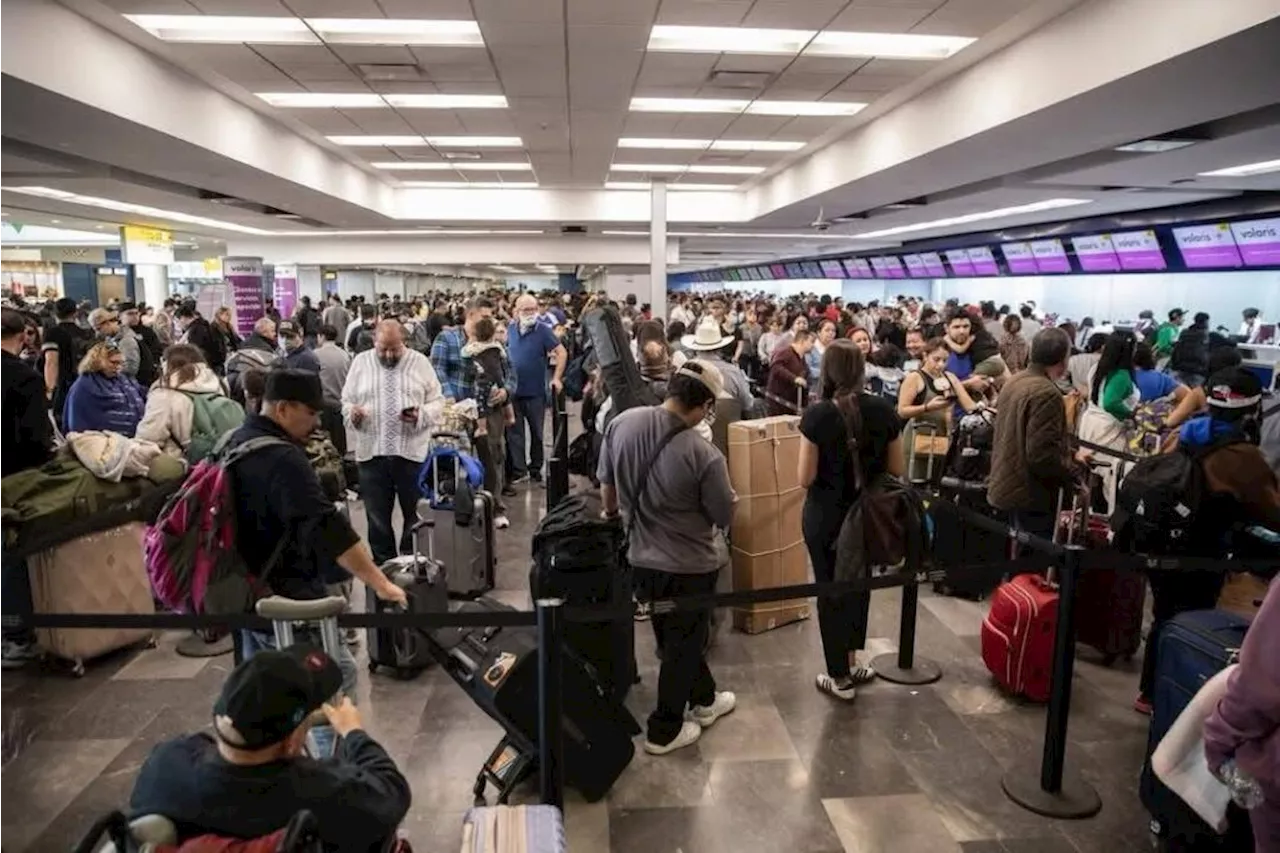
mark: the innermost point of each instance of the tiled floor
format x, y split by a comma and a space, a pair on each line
901, 770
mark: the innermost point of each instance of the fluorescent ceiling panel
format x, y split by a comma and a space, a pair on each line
448, 102
886, 45
392, 31
435, 141
809, 42
140, 209
471, 185
316, 100
680, 168
756, 145
1155, 146
476, 165
645, 186
237, 29
1247, 170
735, 234
379, 141
713, 145
425, 231
768, 108
999, 213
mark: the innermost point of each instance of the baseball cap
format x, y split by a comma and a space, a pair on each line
126, 306
289, 329
705, 372
1233, 388
65, 306
1177, 312
98, 316
268, 696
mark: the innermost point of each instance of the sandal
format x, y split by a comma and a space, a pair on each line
830, 686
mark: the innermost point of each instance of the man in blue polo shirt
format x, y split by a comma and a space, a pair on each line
529, 342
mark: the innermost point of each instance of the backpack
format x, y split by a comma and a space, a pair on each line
1149, 431
190, 551
326, 461
212, 417
1158, 504
969, 455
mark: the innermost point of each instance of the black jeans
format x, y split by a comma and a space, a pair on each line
16, 586
1173, 593
331, 422
684, 679
383, 480
533, 411
842, 619
491, 451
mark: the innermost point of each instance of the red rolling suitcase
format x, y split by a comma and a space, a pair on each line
1017, 635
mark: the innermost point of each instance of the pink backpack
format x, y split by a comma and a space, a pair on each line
190, 550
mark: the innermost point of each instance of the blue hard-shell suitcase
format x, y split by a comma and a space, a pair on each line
1192, 648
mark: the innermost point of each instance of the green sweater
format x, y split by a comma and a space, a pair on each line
1115, 395
1166, 337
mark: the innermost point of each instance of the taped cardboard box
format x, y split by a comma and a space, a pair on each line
768, 545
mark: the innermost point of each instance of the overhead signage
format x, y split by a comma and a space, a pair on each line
1258, 241
832, 269
960, 264
1208, 246
893, 267
1019, 259
146, 245
933, 264
1050, 256
1096, 253
1139, 251
983, 260
915, 266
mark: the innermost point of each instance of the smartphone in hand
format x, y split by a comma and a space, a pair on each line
409, 415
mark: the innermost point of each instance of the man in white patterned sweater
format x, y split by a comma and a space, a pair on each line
390, 402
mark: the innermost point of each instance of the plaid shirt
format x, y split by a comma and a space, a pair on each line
458, 374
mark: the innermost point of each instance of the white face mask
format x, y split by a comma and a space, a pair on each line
527, 323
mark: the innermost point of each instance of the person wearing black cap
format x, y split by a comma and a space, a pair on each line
149, 349
296, 353
249, 777
64, 346
279, 497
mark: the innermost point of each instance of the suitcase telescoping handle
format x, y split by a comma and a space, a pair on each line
428, 524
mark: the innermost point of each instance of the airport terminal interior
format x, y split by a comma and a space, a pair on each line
1116, 160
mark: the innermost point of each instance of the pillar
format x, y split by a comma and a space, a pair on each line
658, 249
152, 280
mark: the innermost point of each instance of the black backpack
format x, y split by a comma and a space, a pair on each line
1158, 505
971, 447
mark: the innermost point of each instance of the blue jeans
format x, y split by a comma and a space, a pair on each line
383, 481
323, 739
531, 411
15, 589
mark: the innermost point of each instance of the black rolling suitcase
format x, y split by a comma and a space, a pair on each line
405, 652
576, 557
498, 668
618, 369
958, 543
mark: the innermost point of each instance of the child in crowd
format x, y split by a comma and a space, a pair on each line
483, 355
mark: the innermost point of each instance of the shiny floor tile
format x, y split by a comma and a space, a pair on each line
904, 823
44, 779
162, 663
961, 616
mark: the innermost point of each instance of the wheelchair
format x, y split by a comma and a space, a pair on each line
115, 833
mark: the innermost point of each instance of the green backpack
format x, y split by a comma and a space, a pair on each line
212, 417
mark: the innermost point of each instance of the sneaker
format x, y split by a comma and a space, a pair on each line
644, 611
519, 479
1142, 705
501, 522
509, 491
704, 716
689, 734
844, 691
537, 478
17, 655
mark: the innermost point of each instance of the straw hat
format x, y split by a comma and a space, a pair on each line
708, 337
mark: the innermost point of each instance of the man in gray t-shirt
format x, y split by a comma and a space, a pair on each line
673, 487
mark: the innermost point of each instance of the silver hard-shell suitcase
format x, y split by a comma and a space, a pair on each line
466, 550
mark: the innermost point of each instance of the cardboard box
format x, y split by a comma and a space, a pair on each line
785, 567
764, 455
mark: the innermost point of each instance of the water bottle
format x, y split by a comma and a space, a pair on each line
1245, 790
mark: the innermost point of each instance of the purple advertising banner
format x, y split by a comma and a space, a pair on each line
960, 263
1139, 251
832, 269
1050, 256
1207, 246
1096, 253
880, 266
1019, 258
933, 265
285, 289
1259, 242
984, 262
915, 266
244, 277
893, 267
859, 268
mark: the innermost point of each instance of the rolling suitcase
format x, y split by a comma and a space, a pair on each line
498, 668
1192, 648
1017, 635
463, 545
1109, 602
958, 543
405, 652
98, 573
513, 829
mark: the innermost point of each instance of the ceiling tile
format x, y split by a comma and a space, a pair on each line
544, 12
421, 152
702, 62
670, 78
810, 127
362, 54
331, 122
335, 8
973, 18
705, 13
310, 74
867, 82
792, 85
702, 126
640, 12
789, 14
534, 74
747, 62
653, 125
907, 69
433, 122
241, 7
756, 127
446, 10
400, 87
449, 73
288, 55
381, 122
152, 7
842, 65
488, 123
882, 18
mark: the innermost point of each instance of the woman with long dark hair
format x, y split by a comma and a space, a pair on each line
1113, 395
842, 420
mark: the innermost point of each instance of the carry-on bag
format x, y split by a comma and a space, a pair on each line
498, 669
618, 368
513, 829
1109, 601
98, 573
577, 556
1191, 648
971, 446
956, 542
404, 651
1018, 634
463, 540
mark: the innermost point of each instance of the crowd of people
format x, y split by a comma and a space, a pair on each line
866, 381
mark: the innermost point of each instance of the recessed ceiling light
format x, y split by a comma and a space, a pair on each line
756, 145
226, 29
745, 235
681, 185
309, 100
476, 141
397, 31
478, 165
55, 221
1247, 170
886, 45
719, 105
470, 185
140, 209
379, 141
727, 40
679, 168
713, 145
447, 102
1155, 145
999, 213
455, 232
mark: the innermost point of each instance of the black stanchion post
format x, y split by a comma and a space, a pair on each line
905, 667
1050, 790
558, 467
551, 700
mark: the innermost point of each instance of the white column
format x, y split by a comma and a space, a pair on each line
658, 249
155, 283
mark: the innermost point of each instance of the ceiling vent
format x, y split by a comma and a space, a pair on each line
397, 71
573, 229
745, 80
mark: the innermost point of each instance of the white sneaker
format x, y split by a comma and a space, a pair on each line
501, 522
724, 703
689, 733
